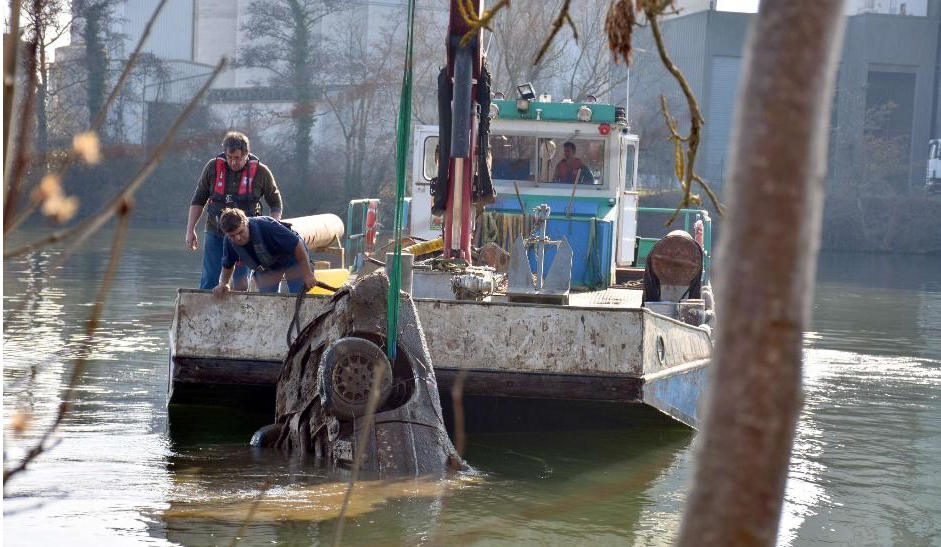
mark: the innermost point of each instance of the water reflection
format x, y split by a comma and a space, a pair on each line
286, 499
879, 304
867, 451
585, 485
864, 471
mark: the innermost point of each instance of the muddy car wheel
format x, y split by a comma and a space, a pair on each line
348, 370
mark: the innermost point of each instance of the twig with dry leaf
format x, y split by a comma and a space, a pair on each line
681, 167
476, 22
85, 146
90, 225
84, 350
120, 207
686, 174
619, 26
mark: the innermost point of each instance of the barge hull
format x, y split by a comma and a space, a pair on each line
494, 349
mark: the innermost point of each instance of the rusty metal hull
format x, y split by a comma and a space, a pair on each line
498, 349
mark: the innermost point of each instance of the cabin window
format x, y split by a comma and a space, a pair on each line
430, 163
570, 161
630, 156
512, 157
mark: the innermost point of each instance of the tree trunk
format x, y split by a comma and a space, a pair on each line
42, 103
303, 123
350, 183
301, 69
765, 275
95, 61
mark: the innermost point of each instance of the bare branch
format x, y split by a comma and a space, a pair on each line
89, 226
85, 346
100, 117
653, 10
562, 18
9, 81
17, 165
12, 221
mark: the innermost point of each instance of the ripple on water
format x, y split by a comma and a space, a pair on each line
853, 458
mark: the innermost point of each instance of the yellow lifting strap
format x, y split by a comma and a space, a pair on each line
425, 247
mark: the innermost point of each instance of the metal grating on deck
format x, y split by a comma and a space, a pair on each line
620, 298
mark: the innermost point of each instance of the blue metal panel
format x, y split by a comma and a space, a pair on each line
505, 205
589, 269
678, 394
579, 207
593, 207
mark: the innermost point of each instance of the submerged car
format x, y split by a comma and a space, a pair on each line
329, 375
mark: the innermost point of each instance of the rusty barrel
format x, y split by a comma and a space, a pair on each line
676, 259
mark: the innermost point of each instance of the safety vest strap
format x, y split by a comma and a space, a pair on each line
265, 259
246, 190
244, 198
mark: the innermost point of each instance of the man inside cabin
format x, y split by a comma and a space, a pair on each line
234, 178
267, 246
571, 169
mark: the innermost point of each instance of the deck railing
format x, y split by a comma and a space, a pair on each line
357, 209
356, 214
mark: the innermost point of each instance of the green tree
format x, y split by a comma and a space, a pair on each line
284, 41
95, 17
365, 69
44, 25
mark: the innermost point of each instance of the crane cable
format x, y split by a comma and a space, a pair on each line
401, 153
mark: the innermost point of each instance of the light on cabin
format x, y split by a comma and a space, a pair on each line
522, 105
526, 91
499, 96
584, 114
604, 129
590, 99
494, 111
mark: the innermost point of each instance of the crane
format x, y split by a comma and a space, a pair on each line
463, 94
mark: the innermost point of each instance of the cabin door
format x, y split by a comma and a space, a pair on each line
424, 168
627, 205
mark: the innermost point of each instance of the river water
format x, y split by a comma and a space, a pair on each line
866, 468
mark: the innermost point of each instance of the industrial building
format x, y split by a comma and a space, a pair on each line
887, 88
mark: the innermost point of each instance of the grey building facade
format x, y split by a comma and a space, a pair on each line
887, 87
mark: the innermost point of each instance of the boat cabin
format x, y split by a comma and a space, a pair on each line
577, 158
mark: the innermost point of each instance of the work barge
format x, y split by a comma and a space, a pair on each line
582, 306
604, 347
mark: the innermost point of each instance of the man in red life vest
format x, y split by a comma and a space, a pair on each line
234, 178
571, 168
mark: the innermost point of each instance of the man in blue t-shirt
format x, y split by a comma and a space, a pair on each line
266, 246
